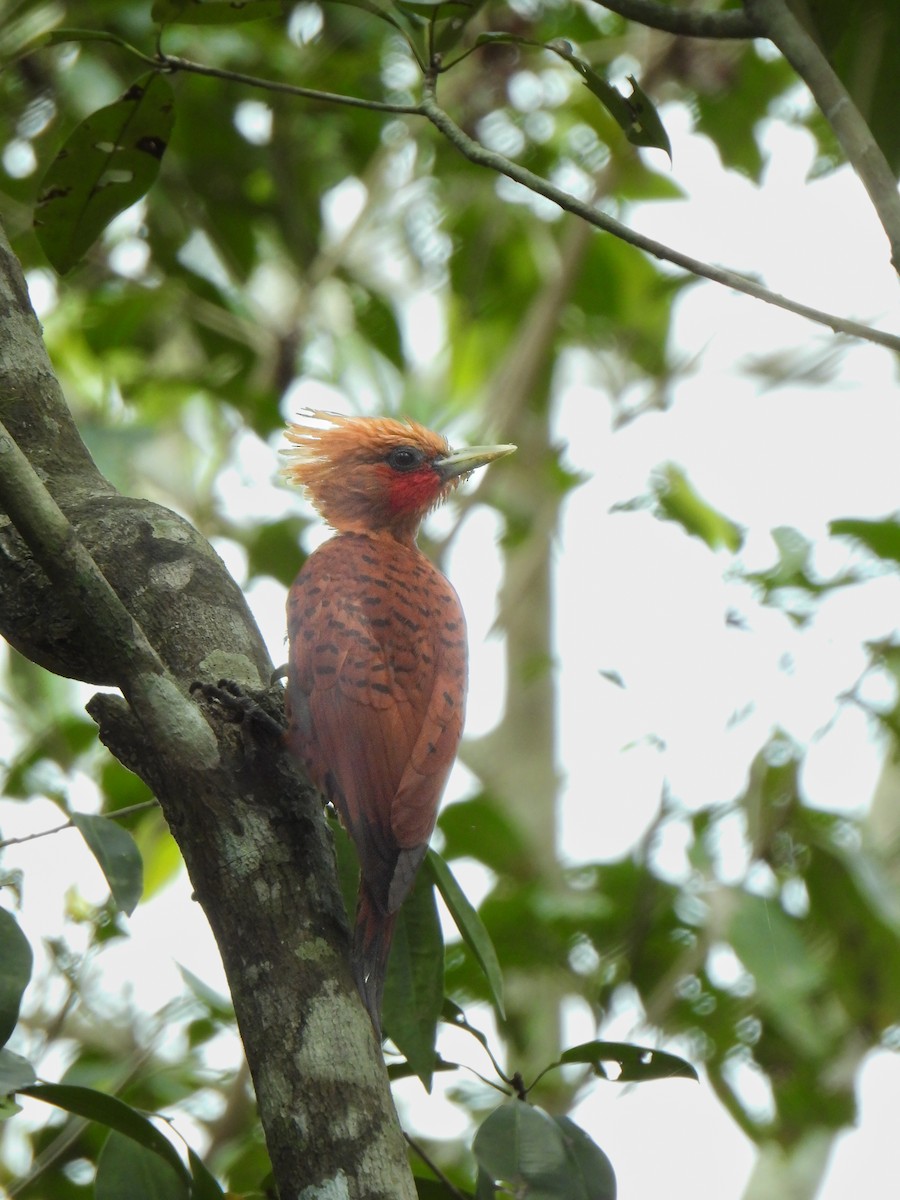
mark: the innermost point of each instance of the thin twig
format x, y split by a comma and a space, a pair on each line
170, 62
483, 157
775, 19
432, 1166
113, 816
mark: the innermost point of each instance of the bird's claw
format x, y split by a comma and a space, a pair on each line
240, 706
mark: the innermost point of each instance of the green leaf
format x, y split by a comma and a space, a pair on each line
110, 1111
214, 12
790, 974
128, 1171
469, 924
15, 972
589, 1165
434, 1189
377, 321
414, 986
110, 161
438, 10
635, 115
273, 549
219, 1006
480, 829
375, 9
15, 1072
636, 1063
514, 39
120, 860
541, 1157
204, 1186
523, 1147
678, 501
882, 538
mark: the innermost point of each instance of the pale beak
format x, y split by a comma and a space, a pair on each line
461, 462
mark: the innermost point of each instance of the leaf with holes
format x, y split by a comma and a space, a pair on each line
635, 115
637, 1064
108, 163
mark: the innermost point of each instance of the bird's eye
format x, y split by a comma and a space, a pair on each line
405, 458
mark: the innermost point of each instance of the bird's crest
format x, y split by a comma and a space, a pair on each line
342, 463
321, 441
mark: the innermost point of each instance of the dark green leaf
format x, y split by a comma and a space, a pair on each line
862, 43
108, 1110
377, 321
214, 12
480, 829
636, 1063
128, 1171
62, 742
882, 538
439, 10
375, 9
110, 161
15, 972
273, 549
204, 1185
590, 1167
414, 987
635, 115
731, 107
220, 1007
678, 501
434, 1189
116, 851
484, 1186
469, 924
15, 1072
514, 39
522, 1146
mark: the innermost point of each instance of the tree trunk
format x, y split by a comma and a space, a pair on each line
121, 592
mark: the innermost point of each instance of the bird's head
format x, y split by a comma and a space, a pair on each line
376, 474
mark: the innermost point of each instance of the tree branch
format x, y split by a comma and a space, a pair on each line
685, 21
494, 161
170, 62
775, 20
169, 718
481, 156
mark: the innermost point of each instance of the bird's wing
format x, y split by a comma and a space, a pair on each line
377, 691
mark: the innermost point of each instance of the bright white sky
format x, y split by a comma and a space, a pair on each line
637, 596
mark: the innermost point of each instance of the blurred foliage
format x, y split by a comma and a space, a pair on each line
286, 243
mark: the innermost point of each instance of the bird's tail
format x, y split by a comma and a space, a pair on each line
372, 936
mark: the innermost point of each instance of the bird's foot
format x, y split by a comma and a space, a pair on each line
242, 707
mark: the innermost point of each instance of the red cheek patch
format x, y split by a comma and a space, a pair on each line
414, 491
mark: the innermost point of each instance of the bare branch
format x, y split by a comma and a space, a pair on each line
169, 62
42, 833
775, 19
733, 23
